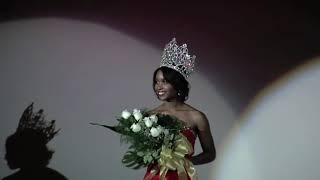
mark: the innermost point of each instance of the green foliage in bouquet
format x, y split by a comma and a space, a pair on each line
146, 134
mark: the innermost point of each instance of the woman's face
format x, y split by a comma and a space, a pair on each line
163, 89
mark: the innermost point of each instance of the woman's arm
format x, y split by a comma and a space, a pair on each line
208, 149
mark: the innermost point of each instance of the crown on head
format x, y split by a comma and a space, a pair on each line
177, 58
36, 121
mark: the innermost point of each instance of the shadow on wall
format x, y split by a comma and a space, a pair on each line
27, 149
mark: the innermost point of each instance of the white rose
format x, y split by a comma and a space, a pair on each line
154, 132
166, 132
160, 129
154, 118
137, 114
135, 127
125, 114
147, 121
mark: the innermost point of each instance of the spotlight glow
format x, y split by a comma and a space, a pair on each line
278, 136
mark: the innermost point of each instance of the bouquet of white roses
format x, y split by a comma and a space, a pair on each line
147, 134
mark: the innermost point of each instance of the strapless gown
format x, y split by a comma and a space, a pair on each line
173, 175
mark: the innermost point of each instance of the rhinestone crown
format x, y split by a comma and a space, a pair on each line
177, 58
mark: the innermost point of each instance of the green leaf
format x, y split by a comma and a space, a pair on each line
113, 128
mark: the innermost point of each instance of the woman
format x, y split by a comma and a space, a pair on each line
171, 87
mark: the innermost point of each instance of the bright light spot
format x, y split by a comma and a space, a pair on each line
278, 137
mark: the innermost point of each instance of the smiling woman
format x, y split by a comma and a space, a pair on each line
171, 87
168, 84
83, 72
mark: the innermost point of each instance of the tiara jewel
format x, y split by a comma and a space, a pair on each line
177, 58
37, 122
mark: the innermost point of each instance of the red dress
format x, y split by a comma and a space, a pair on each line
173, 175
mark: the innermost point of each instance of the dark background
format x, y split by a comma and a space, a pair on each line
244, 44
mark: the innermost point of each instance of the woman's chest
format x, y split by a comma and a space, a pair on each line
184, 116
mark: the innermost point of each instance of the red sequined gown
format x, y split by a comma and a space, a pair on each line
173, 175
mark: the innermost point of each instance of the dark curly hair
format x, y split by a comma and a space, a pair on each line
179, 83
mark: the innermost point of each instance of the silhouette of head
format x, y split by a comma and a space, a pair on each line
27, 149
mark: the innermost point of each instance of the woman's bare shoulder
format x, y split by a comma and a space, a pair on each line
196, 115
194, 111
199, 119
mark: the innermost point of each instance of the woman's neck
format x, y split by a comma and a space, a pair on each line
172, 104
